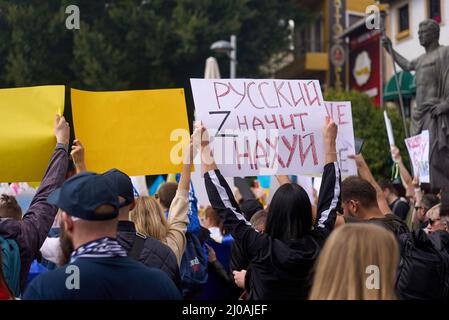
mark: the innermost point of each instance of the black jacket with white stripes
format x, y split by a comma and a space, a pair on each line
277, 270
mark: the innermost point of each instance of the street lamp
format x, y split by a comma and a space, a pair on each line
230, 49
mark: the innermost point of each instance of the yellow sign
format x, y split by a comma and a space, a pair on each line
130, 130
27, 137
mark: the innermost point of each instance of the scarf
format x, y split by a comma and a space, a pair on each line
101, 248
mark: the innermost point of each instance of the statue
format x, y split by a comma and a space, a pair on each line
432, 98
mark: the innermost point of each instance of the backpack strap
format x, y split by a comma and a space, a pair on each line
139, 242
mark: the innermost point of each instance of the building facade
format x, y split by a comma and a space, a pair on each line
317, 53
403, 23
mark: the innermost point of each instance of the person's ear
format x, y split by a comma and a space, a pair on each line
132, 205
67, 222
354, 206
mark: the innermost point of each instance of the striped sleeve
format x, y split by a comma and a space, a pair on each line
329, 197
222, 199
252, 243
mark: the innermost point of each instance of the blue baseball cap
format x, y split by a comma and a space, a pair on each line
122, 184
83, 193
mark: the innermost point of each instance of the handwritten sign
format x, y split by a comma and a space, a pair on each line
418, 149
341, 113
263, 127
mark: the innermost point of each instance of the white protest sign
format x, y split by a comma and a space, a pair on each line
140, 185
199, 185
418, 149
341, 113
389, 129
263, 127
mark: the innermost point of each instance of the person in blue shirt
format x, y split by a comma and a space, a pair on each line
99, 267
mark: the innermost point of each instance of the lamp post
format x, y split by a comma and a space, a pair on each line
230, 49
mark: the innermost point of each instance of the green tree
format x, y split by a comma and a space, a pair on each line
369, 125
31, 42
132, 44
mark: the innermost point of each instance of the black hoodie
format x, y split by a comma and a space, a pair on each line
277, 270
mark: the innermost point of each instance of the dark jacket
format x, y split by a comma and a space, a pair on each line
31, 231
423, 271
154, 253
115, 278
400, 208
389, 221
278, 270
238, 259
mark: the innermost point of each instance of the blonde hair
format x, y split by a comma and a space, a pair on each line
434, 212
342, 269
149, 218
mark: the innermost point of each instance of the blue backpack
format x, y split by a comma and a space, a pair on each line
11, 264
193, 268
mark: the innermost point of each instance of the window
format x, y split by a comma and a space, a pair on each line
302, 39
434, 9
403, 21
309, 38
403, 18
318, 36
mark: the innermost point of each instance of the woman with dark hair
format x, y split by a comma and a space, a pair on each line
283, 221
281, 258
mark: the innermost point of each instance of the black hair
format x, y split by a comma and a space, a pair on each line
356, 188
290, 213
429, 200
385, 184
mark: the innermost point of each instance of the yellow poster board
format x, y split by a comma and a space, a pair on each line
27, 137
129, 130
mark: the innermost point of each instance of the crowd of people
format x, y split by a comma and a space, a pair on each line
97, 238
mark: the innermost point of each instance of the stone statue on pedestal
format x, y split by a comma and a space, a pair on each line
432, 98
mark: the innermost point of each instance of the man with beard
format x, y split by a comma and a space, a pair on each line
151, 252
364, 201
360, 204
99, 267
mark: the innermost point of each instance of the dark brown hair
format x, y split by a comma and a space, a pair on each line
355, 188
214, 218
385, 184
166, 193
9, 208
